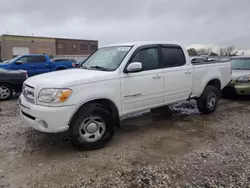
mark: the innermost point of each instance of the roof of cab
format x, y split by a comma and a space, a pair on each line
142, 43
240, 57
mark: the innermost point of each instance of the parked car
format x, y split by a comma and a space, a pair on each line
10, 82
79, 62
115, 81
240, 80
35, 64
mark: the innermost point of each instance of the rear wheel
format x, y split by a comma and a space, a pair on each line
208, 101
60, 69
92, 127
6, 92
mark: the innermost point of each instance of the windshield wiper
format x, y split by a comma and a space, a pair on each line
100, 68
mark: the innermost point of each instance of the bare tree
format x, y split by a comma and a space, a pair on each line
204, 51
231, 50
228, 51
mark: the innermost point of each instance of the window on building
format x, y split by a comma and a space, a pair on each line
148, 57
93, 47
83, 47
60, 46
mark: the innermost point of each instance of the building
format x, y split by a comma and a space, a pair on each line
14, 45
75, 47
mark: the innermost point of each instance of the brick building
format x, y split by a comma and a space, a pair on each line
75, 47
13, 45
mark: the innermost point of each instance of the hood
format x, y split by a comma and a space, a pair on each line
238, 73
4, 65
67, 78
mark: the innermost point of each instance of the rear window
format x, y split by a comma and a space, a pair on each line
37, 59
240, 63
173, 57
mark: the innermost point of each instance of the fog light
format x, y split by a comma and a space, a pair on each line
43, 123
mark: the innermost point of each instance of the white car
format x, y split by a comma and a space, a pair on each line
115, 81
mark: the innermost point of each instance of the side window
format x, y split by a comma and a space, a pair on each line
148, 57
24, 59
173, 57
37, 59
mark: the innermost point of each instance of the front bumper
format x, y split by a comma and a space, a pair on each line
237, 88
45, 119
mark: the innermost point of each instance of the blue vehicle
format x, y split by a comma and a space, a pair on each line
36, 64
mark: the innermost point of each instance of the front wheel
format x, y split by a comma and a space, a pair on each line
208, 101
92, 128
6, 92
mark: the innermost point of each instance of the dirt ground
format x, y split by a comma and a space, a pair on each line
177, 148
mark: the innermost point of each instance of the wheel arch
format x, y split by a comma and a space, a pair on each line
111, 106
60, 67
215, 82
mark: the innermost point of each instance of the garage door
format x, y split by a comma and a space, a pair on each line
20, 51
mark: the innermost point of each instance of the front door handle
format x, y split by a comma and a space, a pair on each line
32, 65
187, 72
156, 76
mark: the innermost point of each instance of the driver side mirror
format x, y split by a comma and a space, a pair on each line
134, 67
19, 62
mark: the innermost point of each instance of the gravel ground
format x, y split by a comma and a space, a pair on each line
176, 147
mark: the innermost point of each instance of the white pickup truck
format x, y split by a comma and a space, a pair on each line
115, 81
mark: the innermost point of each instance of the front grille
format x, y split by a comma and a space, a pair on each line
29, 93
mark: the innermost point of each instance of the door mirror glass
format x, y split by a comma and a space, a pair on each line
19, 62
134, 67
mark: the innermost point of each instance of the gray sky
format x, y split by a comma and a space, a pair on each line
112, 21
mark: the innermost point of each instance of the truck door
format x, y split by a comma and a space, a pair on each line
144, 89
39, 64
177, 74
21, 64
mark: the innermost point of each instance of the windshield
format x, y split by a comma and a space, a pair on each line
13, 60
241, 64
107, 58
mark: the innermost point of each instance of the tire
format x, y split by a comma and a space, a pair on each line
229, 93
208, 101
60, 69
92, 127
6, 92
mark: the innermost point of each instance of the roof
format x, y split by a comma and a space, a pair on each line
5, 35
239, 57
140, 43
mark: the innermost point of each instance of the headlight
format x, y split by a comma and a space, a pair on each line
243, 79
54, 95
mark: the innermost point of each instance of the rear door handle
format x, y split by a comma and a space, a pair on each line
187, 72
32, 65
156, 76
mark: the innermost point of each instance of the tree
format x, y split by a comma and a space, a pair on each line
204, 51
192, 52
228, 51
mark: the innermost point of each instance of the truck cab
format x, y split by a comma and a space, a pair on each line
35, 64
